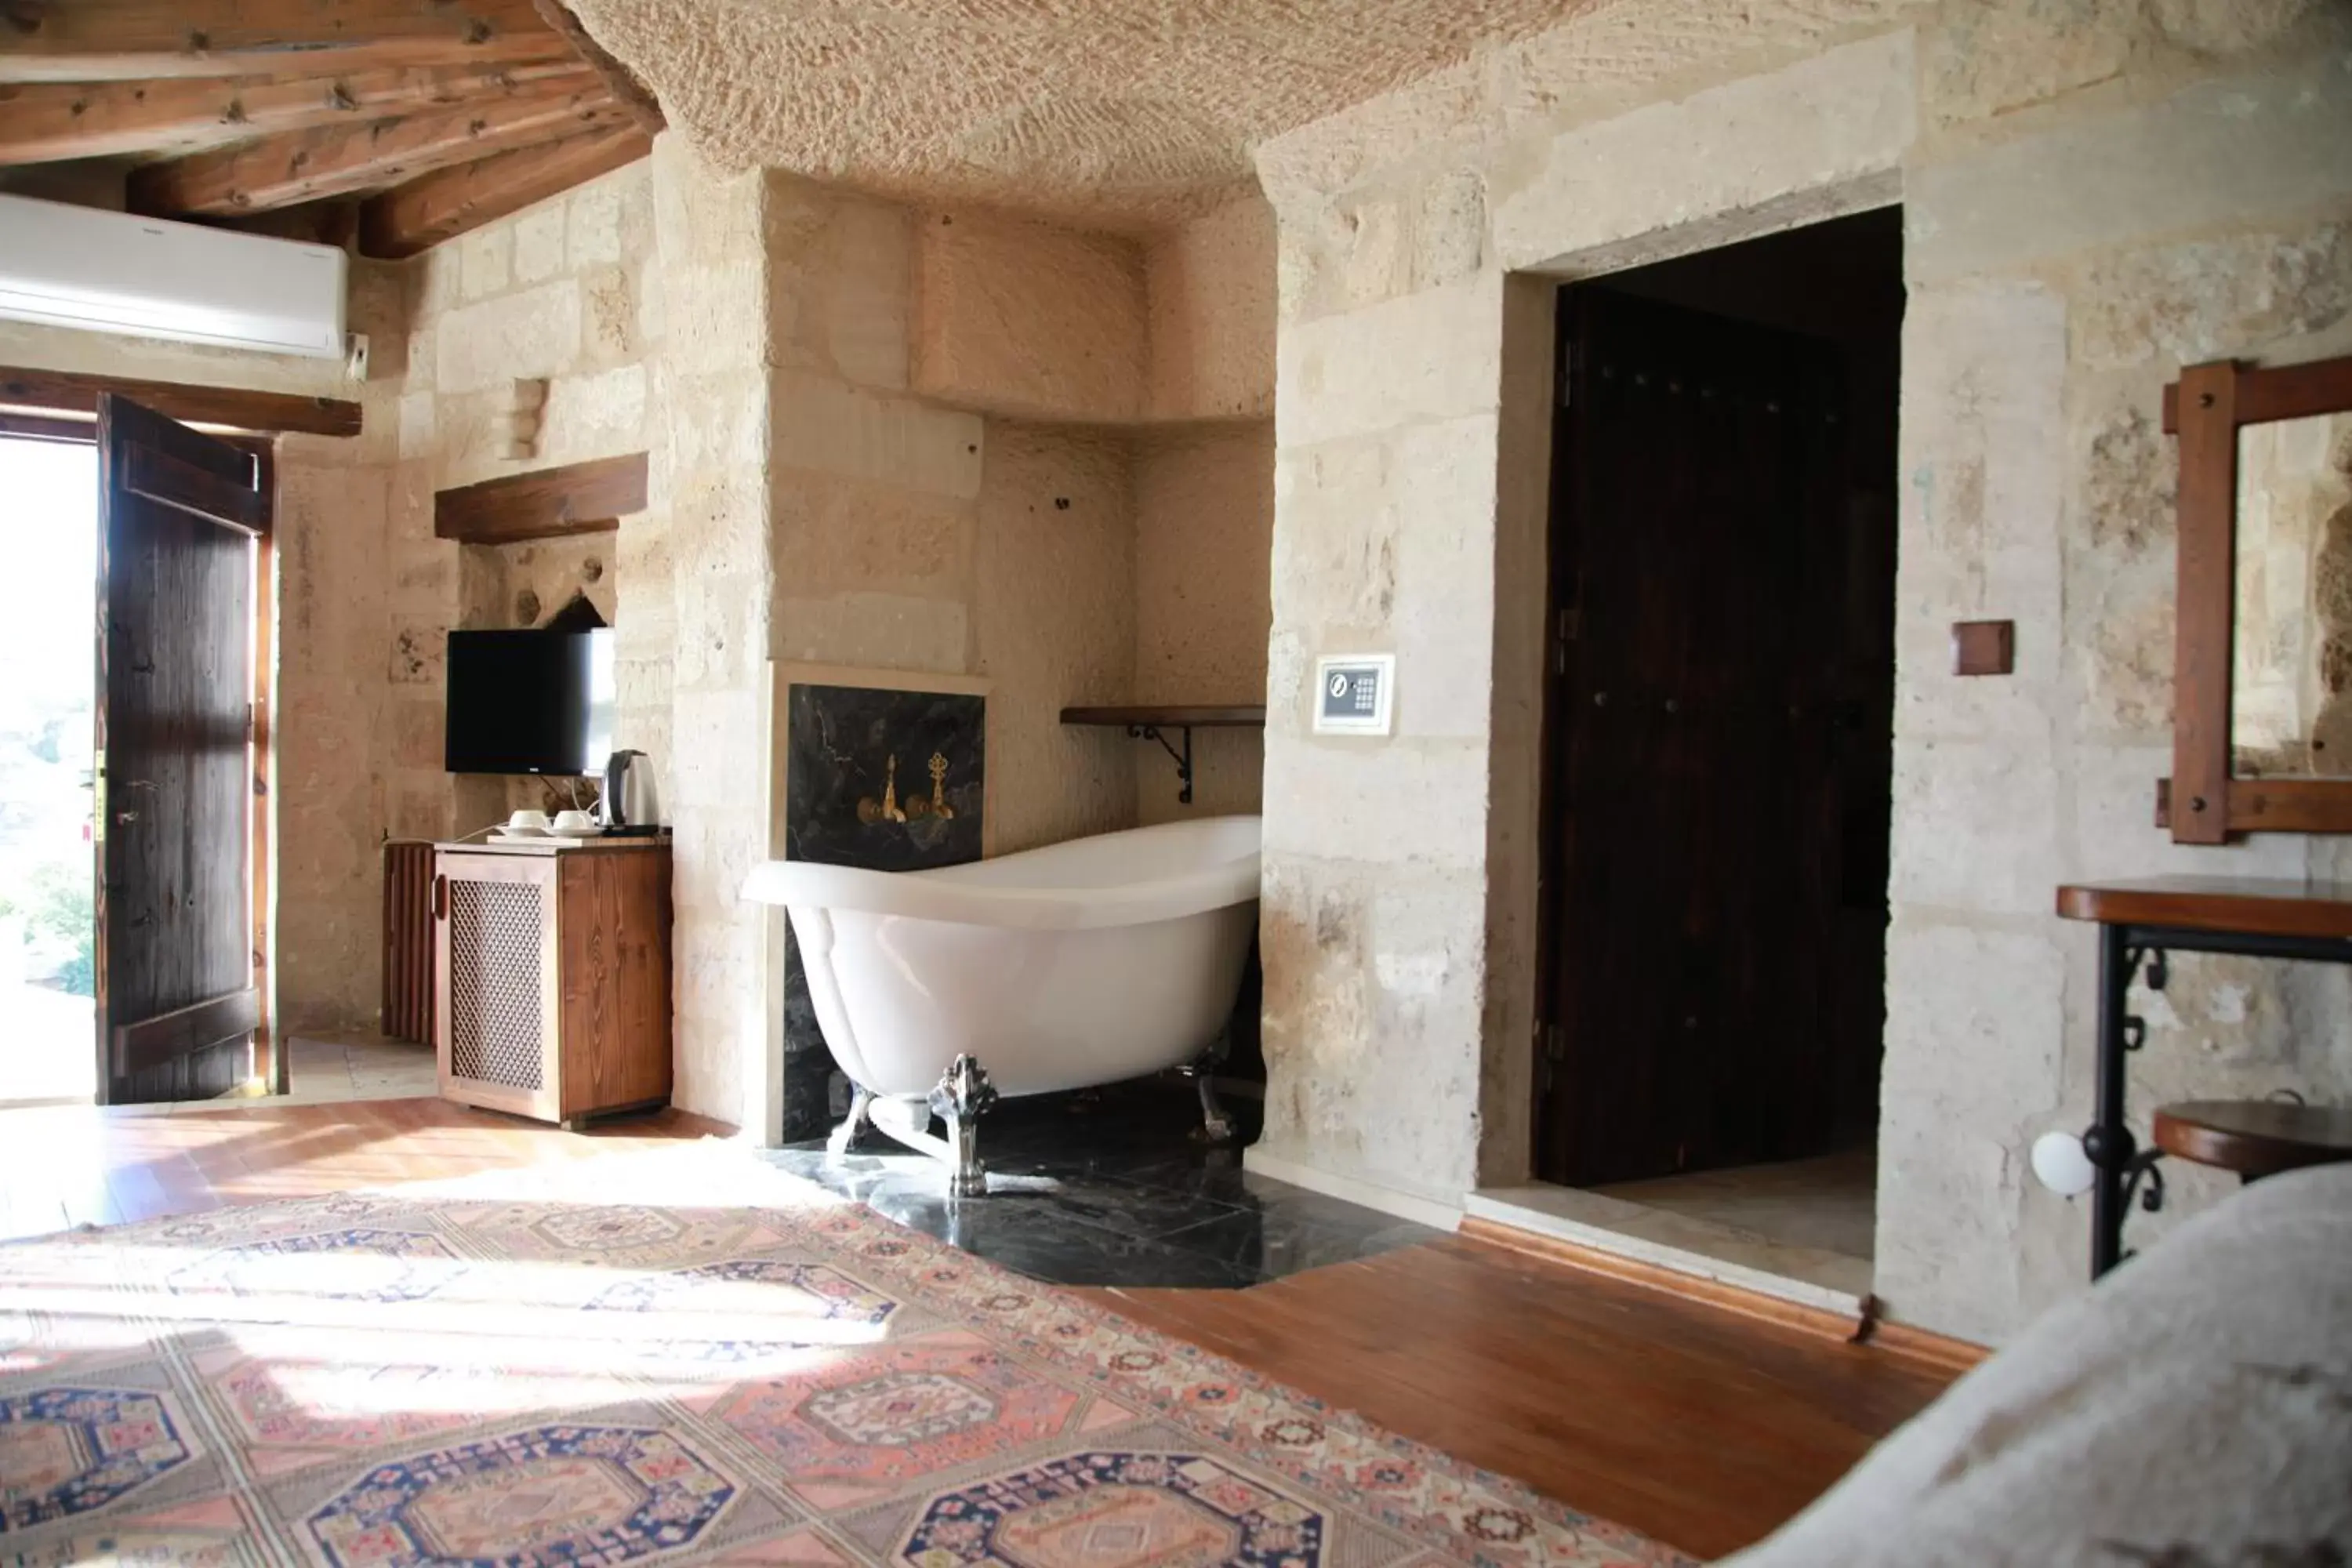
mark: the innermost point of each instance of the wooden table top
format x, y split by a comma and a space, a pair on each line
559, 844
2231, 904
2255, 1137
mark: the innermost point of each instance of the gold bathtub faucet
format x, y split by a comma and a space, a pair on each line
888, 809
870, 810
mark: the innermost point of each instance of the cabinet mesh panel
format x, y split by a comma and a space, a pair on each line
494, 1007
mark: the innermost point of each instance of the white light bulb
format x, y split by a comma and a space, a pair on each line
2060, 1164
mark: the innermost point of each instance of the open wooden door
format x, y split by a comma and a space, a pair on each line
183, 518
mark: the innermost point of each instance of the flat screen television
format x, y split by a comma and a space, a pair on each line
530, 703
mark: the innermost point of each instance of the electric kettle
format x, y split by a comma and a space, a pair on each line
629, 804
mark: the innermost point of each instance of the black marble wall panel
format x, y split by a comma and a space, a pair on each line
890, 781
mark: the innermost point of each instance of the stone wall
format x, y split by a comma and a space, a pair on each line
1209, 295
2094, 194
697, 591
1203, 528
337, 732
1017, 316
563, 292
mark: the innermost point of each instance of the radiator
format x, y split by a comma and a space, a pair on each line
408, 939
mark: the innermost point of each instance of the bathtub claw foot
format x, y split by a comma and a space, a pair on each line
861, 1112
1216, 1126
962, 1096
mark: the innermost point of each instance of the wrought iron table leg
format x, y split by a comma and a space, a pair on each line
2108, 1141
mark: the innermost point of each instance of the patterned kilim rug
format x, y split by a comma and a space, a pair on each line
491, 1372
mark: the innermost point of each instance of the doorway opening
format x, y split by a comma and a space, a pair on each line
49, 528
1718, 748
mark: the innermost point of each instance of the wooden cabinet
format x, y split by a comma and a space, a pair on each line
552, 976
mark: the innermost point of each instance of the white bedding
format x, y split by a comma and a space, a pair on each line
2193, 1410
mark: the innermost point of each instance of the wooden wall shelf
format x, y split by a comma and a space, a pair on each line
545, 503
1165, 716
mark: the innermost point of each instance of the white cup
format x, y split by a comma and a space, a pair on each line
527, 822
573, 822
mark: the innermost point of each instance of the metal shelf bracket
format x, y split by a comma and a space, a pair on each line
1183, 759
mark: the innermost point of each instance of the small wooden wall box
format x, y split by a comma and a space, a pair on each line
552, 976
1984, 648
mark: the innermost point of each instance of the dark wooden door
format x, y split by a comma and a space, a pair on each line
180, 517
1710, 772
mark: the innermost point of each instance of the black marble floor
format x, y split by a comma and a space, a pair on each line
1108, 1188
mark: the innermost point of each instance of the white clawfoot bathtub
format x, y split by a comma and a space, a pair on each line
1077, 965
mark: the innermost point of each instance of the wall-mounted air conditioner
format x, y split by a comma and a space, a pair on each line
109, 272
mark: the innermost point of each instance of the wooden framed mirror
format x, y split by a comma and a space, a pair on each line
2261, 727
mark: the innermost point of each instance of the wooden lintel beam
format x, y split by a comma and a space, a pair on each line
310, 165
45, 121
447, 202
131, 40
233, 408
546, 503
619, 79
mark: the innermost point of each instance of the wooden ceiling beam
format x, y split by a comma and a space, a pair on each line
307, 165
619, 79
43, 122
449, 202
128, 40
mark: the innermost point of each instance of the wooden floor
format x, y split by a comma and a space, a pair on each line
64, 1166
1697, 1428
1704, 1429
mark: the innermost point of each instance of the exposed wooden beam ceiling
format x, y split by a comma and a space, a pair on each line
440, 205
619, 80
308, 165
47, 122
128, 40
407, 122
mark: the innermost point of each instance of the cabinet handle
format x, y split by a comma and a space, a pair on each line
440, 897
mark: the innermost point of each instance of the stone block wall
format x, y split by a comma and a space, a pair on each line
562, 292
336, 732
1204, 529
1033, 320
2094, 195
1209, 297
702, 571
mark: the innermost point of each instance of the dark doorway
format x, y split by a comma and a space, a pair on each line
1719, 709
